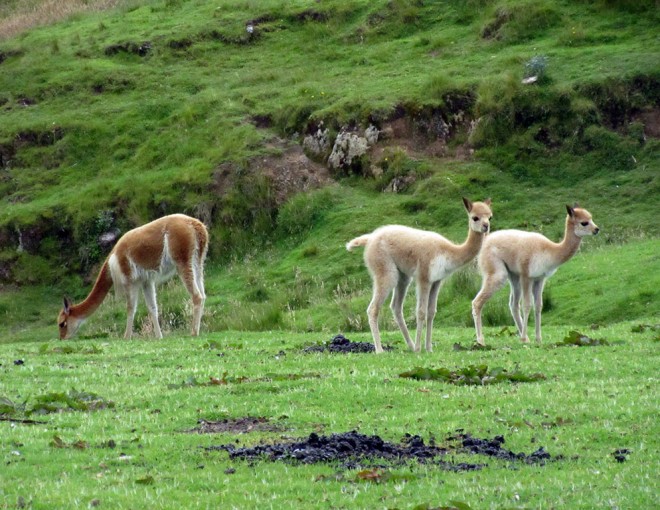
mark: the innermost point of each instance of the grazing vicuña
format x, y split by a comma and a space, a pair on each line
141, 259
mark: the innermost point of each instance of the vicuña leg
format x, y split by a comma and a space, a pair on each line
526, 285
396, 305
382, 287
514, 301
537, 292
423, 291
149, 291
187, 275
491, 284
430, 314
131, 307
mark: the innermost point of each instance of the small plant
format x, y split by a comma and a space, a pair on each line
641, 328
72, 401
226, 379
58, 442
476, 375
55, 402
8, 407
581, 340
69, 349
473, 347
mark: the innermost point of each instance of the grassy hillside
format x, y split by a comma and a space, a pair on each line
112, 118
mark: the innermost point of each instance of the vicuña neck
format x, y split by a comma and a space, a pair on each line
470, 248
569, 245
96, 296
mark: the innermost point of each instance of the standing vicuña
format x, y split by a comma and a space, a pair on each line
394, 254
527, 260
143, 258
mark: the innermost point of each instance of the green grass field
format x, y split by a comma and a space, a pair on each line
137, 454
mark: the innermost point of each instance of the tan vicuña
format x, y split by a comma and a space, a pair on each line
526, 260
395, 254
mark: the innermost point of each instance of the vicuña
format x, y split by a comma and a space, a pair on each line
143, 258
395, 254
526, 260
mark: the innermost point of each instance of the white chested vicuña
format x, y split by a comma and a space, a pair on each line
141, 259
394, 254
527, 260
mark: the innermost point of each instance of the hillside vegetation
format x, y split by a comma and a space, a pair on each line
109, 119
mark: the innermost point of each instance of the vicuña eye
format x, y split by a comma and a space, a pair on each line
584, 223
475, 218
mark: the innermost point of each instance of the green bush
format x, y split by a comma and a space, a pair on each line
496, 110
302, 213
514, 24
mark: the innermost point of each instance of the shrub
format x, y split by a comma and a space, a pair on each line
496, 111
397, 165
302, 212
521, 23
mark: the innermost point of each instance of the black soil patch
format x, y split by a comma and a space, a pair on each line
235, 426
353, 450
341, 345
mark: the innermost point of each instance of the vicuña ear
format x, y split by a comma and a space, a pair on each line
576, 205
467, 204
67, 305
570, 211
488, 201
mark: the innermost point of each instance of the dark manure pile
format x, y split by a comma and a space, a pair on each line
353, 450
493, 448
339, 344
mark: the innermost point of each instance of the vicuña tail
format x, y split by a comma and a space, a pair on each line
358, 241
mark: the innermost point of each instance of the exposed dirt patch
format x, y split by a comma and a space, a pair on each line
289, 171
115, 85
341, 345
235, 426
354, 450
28, 138
5, 54
241, 40
493, 28
180, 44
426, 131
651, 121
141, 49
292, 171
311, 15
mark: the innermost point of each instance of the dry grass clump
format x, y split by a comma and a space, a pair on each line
20, 15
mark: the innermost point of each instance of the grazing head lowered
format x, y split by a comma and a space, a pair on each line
141, 259
68, 325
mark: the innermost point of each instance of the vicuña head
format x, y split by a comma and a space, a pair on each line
67, 322
141, 259
395, 254
526, 260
